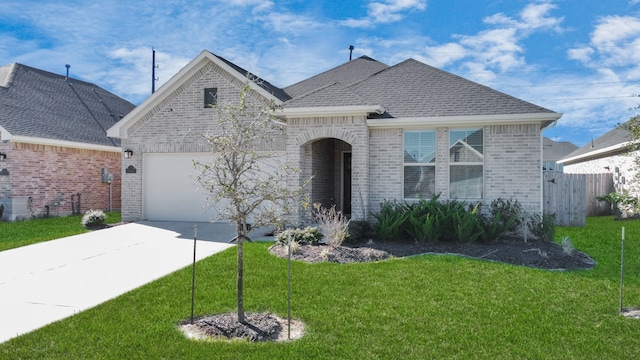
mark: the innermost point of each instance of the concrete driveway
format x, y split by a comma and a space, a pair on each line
49, 281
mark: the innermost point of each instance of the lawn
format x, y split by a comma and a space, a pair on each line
21, 233
423, 307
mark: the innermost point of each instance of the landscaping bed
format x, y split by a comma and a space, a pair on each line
510, 250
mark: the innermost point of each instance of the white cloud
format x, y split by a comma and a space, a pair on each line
386, 12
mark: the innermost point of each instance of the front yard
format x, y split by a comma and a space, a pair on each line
431, 306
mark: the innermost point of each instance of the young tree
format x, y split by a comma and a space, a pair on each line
252, 183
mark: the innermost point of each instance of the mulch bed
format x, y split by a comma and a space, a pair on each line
533, 253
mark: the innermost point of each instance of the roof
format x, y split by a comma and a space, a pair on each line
409, 93
272, 89
612, 142
556, 150
37, 104
410, 89
345, 74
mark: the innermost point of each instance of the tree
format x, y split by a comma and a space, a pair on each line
253, 183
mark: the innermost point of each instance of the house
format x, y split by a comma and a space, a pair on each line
605, 154
366, 131
553, 151
55, 157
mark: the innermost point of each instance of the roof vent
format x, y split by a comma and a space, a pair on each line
67, 66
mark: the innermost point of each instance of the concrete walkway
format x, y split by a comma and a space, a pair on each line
49, 281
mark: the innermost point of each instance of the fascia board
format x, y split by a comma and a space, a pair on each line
63, 143
4, 134
330, 111
470, 120
604, 151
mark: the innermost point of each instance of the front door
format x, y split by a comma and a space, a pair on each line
346, 183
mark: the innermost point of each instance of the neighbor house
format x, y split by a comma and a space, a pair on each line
367, 132
55, 156
605, 154
553, 151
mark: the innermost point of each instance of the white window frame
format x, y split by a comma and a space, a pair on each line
467, 163
418, 164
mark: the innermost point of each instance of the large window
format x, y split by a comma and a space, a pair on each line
419, 164
466, 163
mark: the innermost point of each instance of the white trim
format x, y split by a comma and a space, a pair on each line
467, 120
63, 143
326, 111
608, 149
119, 130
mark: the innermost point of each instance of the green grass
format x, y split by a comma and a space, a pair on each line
21, 233
418, 308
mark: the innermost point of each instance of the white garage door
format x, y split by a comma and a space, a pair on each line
171, 190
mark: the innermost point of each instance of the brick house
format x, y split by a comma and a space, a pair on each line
605, 154
366, 131
53, 144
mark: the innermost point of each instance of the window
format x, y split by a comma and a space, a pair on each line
210, 97
466, 164
419, 164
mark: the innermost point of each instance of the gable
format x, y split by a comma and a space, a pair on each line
184, 92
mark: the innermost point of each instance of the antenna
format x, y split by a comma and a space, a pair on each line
153, 70
350, 51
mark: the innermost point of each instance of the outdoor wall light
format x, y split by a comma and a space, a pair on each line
128, 153
3, 156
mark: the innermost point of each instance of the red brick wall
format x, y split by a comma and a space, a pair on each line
51, 174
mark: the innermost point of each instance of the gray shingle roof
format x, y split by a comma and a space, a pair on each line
408, 89
272, 89
615, 136
345, 74
330, 95
556, 150
37, 103
415, 89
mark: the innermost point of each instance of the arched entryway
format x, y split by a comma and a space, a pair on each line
330, 162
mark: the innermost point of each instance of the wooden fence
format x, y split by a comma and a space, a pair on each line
572, 197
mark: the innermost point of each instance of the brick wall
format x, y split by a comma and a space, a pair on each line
620, 165
512, 163
48, 175
178, 124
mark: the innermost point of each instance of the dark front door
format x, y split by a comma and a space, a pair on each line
346, 183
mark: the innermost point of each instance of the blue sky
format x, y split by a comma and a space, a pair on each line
577, 57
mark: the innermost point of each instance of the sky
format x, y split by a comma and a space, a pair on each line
580, 58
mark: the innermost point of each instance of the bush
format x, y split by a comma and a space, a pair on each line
391, 219
431, 220
542, 226
509, 212
360, 231
309, 235
334, 224
93, 217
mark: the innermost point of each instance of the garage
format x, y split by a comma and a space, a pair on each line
171, 189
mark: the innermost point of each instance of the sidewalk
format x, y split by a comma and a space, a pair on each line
49, 281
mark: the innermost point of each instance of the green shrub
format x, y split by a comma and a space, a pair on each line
509, 213
93, 217
468, 224
391, 219
542, 226
309, 235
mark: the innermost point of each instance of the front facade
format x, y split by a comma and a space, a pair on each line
365, 131
55, 157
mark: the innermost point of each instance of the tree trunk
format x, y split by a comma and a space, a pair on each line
240, 286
